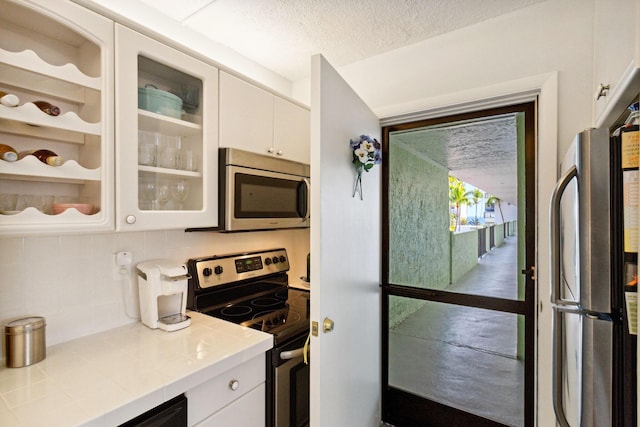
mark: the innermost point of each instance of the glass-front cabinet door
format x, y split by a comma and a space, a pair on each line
166, 136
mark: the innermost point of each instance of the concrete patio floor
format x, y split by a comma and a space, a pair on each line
466, 357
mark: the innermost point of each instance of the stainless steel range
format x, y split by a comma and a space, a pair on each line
251, 289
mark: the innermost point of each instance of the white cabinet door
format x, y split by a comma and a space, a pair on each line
246, 115
291, 133
166, 136
616, 57
255, 120
36, 39
345, 258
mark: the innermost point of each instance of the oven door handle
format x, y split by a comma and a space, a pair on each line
291, 354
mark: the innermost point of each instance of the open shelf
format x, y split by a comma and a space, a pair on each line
30, 114
153, 170
166, 125
63, 55
32, 169
51, 76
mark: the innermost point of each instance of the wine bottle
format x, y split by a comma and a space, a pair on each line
9, 99
47, 108
8, 153
45, 156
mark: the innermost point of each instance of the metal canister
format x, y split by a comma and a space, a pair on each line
25, 342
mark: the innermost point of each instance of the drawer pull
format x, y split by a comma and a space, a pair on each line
234, 384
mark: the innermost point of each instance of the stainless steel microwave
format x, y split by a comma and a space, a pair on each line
259, 192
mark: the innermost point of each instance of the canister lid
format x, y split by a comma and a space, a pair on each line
24, 325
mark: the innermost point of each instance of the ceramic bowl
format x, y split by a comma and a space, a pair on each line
159, 101
84, 208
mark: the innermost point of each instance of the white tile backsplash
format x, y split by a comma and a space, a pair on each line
69, 279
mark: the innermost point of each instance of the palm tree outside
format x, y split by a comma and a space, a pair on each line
476, 195
457, 198
493, 200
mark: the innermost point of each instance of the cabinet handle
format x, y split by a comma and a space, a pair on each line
130, 219
270, 150
279, 153
603, 91
234, 384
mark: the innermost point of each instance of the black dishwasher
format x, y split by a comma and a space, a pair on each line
172, 413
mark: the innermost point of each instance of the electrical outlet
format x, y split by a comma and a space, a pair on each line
121, 260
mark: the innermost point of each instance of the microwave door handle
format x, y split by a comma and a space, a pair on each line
554, 216
308, 185
304, 214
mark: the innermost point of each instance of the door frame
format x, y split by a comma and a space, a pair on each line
394, 401
544, 87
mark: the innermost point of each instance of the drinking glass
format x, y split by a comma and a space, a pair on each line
189, 160
147, 148
8, 203
36, 201
148, 195
168, 152
163, 195
180, 192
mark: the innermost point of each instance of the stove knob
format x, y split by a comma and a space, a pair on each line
218, 269
282, 258
275, 260
206, 272
267, 261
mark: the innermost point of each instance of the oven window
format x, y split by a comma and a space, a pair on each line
299, 395
266, 197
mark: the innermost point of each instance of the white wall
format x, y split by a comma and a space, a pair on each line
68, 279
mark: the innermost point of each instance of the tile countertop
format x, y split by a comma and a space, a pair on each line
110, 377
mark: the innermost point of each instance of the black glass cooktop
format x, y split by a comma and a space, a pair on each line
282, 313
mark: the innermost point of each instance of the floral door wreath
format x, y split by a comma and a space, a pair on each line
366, 152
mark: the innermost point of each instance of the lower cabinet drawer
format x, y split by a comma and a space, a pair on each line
248, 411
211, 396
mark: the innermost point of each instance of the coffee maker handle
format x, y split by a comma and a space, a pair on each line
177, 278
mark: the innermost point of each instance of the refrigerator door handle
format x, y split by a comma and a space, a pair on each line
557, 358
557, 370
554, 215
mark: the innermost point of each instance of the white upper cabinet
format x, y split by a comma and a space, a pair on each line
254, 119
60, 53
616, 58
246, 115
291, 131
166, 136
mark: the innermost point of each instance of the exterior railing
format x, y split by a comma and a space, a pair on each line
462, 260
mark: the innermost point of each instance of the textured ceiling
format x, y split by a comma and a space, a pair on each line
481, 153
283, 34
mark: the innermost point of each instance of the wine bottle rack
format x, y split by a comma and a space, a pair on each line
61, 54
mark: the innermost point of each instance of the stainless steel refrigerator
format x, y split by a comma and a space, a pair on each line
594, 364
